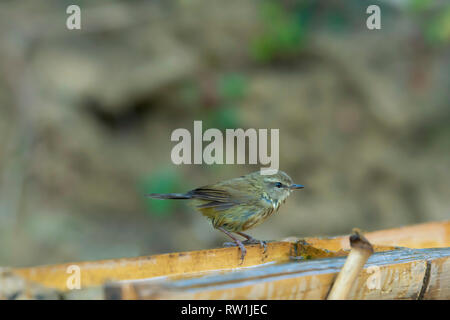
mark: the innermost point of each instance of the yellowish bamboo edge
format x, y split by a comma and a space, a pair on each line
173, 265
414, 279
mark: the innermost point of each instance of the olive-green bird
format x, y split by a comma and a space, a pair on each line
239, 204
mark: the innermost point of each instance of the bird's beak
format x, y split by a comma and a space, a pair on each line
296, 186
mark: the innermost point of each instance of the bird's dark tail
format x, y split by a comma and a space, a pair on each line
169, 195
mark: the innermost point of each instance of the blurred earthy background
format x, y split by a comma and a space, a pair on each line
86, 118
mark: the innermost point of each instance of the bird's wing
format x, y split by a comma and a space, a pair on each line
219, 199
225, 196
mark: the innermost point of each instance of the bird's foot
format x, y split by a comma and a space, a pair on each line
237, 244
229, 244
262, 243
251, 240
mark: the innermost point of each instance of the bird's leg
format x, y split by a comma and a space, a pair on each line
251, 240
236, 241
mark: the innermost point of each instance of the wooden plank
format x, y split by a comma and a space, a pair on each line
171, 264
13, 287
438, 283
395, 274
179, 264
425, 235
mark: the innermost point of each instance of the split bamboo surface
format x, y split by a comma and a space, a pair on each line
411, 262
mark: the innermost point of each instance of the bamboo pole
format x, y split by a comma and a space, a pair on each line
360, 252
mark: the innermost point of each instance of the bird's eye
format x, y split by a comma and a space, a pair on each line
278, 184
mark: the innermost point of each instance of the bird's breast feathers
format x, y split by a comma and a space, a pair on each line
234, 207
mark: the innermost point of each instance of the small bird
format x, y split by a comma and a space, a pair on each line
239, 204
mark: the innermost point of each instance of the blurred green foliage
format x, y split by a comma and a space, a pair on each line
435, 24
190, 93
231, 89
438, 29
283, 33
232, 86
224, 117
420, 5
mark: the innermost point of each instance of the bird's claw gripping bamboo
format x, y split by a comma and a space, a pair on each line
239, 204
